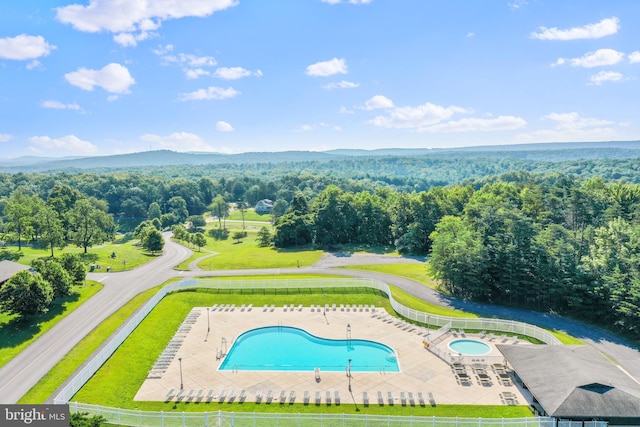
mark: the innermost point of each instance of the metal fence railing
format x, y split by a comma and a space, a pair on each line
431, 320
134, 418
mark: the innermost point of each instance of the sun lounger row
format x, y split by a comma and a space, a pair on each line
206, 396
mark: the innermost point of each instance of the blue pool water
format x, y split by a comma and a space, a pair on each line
469, 347
284, 348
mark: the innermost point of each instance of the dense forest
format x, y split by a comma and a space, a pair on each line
562, 238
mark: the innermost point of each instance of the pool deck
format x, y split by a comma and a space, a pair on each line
420, 370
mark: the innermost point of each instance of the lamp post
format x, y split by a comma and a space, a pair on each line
208, 323
181, 383
349, 375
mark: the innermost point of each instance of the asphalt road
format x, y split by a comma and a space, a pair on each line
24, 371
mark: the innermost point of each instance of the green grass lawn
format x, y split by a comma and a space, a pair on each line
128, 255
117, 382
234, 255
416, 272
16, 333
40, 392
249, 215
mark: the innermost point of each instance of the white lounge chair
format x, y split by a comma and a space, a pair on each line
222, 395
283, 395
292, 396
243, 395
306, 397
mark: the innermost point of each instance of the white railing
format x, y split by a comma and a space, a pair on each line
250, 285
133, 418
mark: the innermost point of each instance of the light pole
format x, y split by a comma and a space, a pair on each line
208, 324
349, 375
181, 384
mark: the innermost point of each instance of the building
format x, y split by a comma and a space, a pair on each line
8, 269
575, 382
264, 206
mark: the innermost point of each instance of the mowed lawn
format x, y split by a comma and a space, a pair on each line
117, 382
128, 255
17, 333
232, 254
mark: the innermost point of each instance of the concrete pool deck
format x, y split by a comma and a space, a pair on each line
420, 370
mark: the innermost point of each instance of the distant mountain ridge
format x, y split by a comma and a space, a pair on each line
532, 152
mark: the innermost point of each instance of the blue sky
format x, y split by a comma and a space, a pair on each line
99, 77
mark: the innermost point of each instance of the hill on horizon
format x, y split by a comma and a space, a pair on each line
554, 152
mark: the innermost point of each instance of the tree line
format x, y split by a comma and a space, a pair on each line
553, 243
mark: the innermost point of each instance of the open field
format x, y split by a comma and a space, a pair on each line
245, 254
128, 255
416, 272
16, 334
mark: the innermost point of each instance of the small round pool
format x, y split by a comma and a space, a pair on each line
469, 347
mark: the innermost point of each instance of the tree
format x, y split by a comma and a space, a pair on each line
82, 419
264, 237
154, 211
90, 223
25, 294
242, 207
19, 210
199, 240
54, 273
178, 208
219, 208
74, 266
239, 235
50, 225
152, 240
457, 258
279, 208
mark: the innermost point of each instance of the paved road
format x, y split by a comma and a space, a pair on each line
18, 376
26, 369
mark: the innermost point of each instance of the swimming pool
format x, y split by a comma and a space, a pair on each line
469, 347
285, 348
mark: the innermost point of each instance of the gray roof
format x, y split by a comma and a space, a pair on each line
9, 268
574, 381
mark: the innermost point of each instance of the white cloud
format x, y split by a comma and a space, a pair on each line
69, 143
603, 28
24, 47
233, 73
634, 57
378, 101
345, 110
341, 85
599, 58
572, 121
327, 68
196, 73
418, 118
192, 65
605, 76
59, 105
224, 127
517, 4
35, 64
132, 20
212, 92
5, 137
114, 78
569, 127
471, 34
178, 141
473, 124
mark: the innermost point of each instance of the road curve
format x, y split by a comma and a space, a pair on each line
24, 371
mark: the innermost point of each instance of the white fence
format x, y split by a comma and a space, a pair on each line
262, 285
133, 418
